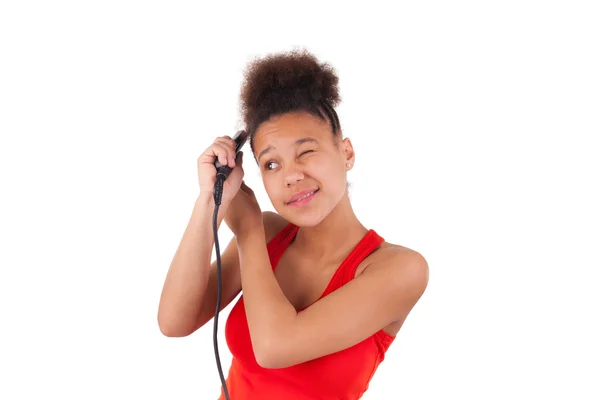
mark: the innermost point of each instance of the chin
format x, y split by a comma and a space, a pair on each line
303, 217
305, 221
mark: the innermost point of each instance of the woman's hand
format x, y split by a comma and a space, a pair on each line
244, 214
223, 149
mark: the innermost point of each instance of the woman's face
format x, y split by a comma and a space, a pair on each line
298, 156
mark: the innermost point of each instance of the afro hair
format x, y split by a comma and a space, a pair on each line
288, 82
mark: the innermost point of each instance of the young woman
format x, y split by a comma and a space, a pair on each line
323, 296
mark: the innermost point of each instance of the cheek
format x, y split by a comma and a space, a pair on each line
328, 173
271, 186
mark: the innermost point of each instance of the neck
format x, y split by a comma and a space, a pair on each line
332, 236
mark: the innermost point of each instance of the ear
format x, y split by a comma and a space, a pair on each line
348, 151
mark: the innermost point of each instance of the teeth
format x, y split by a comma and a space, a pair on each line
305, 196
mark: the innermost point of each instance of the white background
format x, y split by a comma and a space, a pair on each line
476, 128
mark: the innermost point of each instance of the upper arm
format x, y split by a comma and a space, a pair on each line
230, 271
384, 293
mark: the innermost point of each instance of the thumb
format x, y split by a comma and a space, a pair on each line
238, 164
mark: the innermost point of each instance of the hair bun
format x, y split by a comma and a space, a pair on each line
284, 82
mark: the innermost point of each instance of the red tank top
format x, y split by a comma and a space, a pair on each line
343, 375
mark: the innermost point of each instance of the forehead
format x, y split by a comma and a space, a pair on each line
288, 128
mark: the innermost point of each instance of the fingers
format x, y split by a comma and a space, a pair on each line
228, 145
221, 152
238, 171
223, 148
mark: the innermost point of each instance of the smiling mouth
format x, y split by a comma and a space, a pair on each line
307, 195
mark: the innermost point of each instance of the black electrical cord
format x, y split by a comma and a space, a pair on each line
222, 173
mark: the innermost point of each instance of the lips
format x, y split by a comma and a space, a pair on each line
301, 195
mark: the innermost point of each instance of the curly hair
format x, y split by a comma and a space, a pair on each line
288, 82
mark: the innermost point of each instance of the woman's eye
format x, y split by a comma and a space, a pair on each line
307, 151
269, 165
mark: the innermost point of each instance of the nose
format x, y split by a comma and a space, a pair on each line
292, 176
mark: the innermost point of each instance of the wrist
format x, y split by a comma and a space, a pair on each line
252, 235
205, 206
205, 200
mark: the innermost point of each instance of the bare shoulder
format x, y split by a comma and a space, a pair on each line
391, 251
401, 270
273, 223
399, 261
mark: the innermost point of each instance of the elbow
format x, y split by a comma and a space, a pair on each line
170, 328
172, 332
266, 360
270, 355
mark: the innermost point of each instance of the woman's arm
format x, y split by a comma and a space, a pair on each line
189, 296
384, 293
231, 277
186, 281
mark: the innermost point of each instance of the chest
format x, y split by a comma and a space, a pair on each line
304, 281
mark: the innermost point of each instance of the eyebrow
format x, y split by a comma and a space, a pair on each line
297, 143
